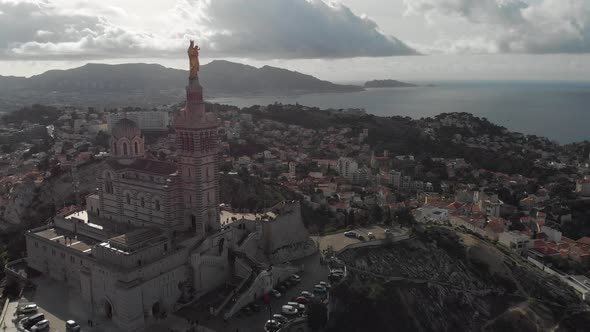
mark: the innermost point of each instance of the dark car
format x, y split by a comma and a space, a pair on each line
302, 300
247, 311
255, 307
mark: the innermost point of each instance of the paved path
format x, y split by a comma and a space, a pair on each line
9, 313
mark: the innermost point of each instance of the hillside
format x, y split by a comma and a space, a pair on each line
152, 84
443, 281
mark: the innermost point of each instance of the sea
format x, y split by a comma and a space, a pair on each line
554, 109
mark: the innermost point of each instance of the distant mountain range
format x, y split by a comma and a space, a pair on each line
152, 84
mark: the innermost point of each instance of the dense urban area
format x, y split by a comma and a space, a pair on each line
451, 218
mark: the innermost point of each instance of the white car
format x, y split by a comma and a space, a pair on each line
295, 278
41, 325
276, 294
325, 284
28, 308
272, 326
289, 310
371, 236
300, 307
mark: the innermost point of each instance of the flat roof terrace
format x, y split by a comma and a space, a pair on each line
63, 238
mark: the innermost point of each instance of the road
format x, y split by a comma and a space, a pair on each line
313, 273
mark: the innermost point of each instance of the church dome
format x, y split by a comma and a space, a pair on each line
126, 128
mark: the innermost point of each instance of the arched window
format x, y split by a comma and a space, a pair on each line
128, 198
142, 200
108, 184
136, 146
208, 197
115, 148
157, 205
124, 149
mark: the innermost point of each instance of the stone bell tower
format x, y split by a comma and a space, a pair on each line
197, 149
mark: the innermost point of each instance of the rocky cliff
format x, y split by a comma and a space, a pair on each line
443, 281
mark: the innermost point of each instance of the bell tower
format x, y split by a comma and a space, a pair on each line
197, 149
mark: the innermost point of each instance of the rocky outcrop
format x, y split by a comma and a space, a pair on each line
28, 202
443, 281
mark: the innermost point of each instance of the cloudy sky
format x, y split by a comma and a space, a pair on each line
342, 40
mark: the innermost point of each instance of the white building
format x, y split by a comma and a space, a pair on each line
515, 240
395, 179
347, 167
146, 120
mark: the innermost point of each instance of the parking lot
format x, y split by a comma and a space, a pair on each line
339, 240
59, 303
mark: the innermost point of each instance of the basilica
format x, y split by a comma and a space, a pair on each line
150, 241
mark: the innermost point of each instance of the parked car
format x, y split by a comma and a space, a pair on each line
247, 311
28, 308
280, 318
302, 300
276, 294
72, 326
289, 310
272, 326
28, 322
362, 238
351, 234
40, 325
295, 278
320, 290
307, 295
336, 275
300, 307
371, 236
255, 307
282, 289
325, 284
288, 284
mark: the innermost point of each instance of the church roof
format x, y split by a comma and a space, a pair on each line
125, 128
146, 165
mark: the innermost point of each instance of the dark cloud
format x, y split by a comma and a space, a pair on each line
294, 29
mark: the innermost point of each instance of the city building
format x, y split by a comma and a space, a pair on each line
145, 120
347, 167
515, 240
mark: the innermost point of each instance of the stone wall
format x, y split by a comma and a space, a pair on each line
293, 252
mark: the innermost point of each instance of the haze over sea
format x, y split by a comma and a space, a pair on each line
557, 110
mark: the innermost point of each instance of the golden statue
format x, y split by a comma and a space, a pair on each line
193, 56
